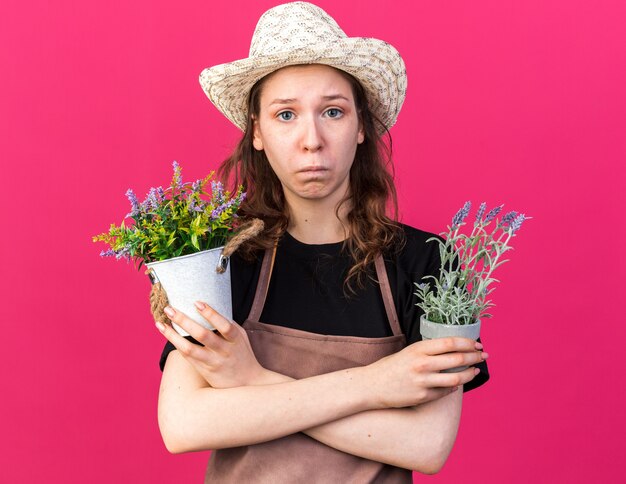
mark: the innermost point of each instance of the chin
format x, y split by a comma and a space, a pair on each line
314, 190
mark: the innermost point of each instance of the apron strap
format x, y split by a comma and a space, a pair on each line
264, 282
385, 289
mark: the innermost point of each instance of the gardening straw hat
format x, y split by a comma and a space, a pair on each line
302, 33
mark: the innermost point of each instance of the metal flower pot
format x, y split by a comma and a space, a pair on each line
430, 330
190, 278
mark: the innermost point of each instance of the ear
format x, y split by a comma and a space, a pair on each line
361, 135
257, 141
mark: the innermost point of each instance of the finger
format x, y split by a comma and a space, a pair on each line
436, 393
447, 380
439, 346
453, 360
186, 347
205, 336
225, 327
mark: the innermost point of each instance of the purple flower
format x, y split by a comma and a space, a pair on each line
134, 203
517, 223
177, 181
508, 218
151, 202
196, 186
423, 286
217, 211
108, 253
217, 191
461, 214
225, 206
195, 207
123, 253
161, 194
480, 213
492, 213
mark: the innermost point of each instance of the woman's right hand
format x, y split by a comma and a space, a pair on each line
413, 375
226, 358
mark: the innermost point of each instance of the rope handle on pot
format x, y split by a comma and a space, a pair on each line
158, 299
246, 232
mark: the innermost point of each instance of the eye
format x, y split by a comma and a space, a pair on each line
334, 113
286, 115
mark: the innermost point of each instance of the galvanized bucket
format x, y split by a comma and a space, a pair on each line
194, 277
430, 330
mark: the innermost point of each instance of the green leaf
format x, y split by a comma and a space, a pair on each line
194, 241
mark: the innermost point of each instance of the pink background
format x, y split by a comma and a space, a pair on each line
510, 102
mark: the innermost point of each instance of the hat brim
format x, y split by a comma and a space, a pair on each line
374, 63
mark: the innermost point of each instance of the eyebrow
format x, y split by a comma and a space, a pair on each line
331, 97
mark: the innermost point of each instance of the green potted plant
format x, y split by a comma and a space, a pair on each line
456, 301
179, 233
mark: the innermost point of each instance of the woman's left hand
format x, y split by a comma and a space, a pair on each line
226, 360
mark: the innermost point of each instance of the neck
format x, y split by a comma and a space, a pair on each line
316, 222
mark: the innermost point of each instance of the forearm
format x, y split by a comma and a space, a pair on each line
193, 416
418, 438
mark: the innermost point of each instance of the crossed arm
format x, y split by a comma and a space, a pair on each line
399, 410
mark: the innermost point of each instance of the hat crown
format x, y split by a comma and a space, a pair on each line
292, 26
302, 33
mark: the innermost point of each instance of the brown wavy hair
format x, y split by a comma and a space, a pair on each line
372, 191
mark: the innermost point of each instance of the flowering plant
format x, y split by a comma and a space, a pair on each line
175, 221
460, 292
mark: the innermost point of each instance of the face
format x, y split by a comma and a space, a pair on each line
309, 128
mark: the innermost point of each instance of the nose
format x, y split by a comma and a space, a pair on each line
312, 139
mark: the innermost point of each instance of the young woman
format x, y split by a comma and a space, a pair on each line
322, 376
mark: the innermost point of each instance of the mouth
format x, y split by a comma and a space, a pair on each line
312, 169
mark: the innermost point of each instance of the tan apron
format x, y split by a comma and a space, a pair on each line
300, 354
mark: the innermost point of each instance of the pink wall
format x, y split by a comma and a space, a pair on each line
510, 102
